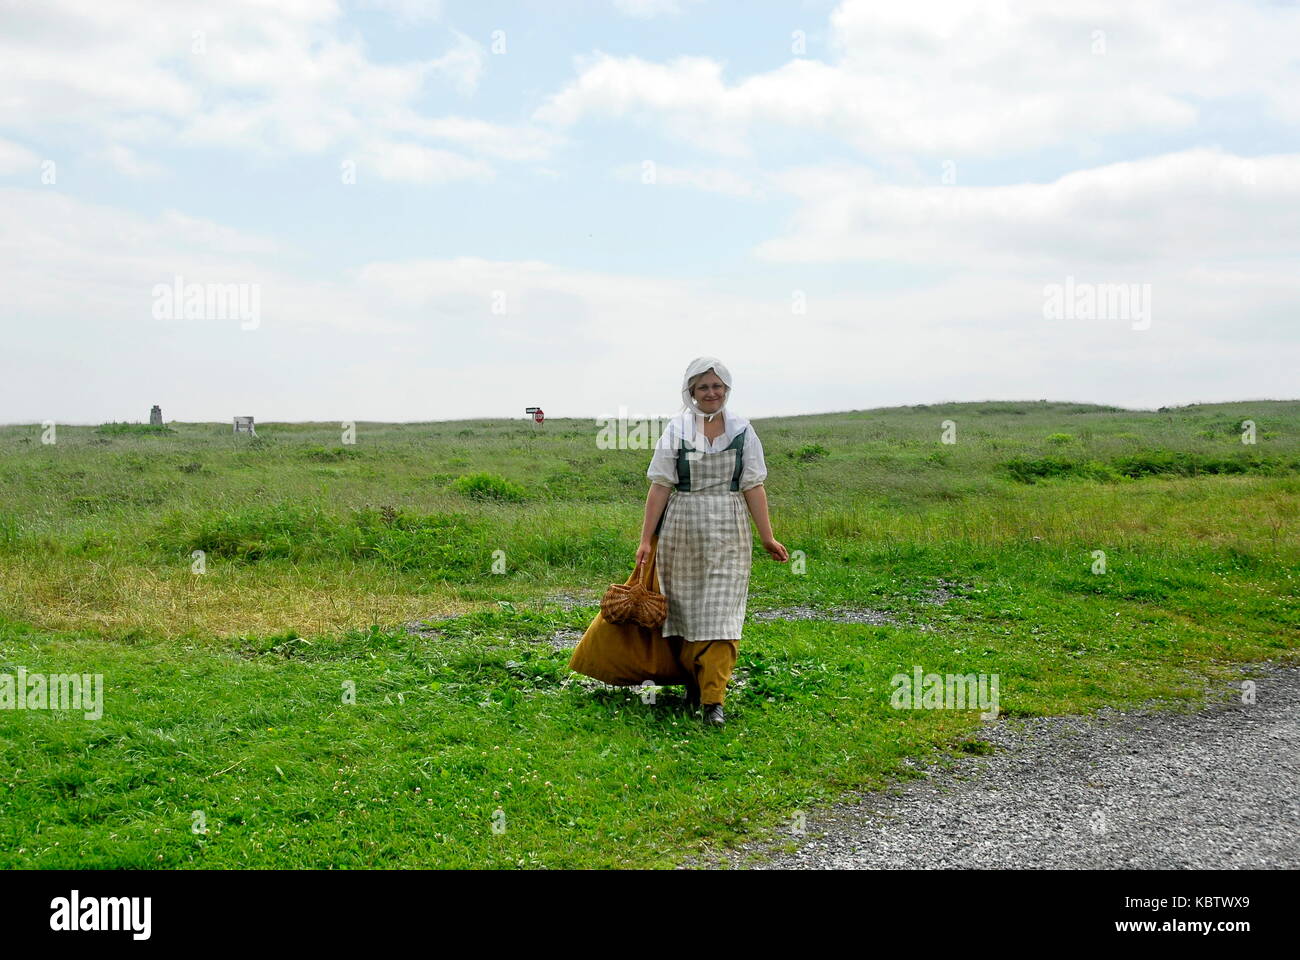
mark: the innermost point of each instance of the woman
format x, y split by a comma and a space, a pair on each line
704, 465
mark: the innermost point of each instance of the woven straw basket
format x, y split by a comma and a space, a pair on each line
632, 602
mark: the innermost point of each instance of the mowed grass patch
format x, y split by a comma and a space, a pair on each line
257, 744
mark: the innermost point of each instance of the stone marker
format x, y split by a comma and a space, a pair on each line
155, 416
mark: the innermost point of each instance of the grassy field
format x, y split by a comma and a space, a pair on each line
470, 743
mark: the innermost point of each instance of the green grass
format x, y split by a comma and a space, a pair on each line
225, 691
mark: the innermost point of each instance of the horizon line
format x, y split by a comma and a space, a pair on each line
1109, 407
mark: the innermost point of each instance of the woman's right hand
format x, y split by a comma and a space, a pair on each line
642, 553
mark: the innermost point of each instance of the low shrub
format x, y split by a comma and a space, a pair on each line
488, 486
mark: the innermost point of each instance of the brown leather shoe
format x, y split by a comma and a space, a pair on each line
713, 714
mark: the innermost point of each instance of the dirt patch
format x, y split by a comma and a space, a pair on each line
835, 615
938, 596
569, 601
421, 628
935, 596
565, 639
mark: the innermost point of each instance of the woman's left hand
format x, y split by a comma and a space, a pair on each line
775, 548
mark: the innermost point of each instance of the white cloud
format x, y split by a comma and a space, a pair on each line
505, 142
407, 11
688, 93
710, 180
173, 229
84, 273
126, 161
246, 75
648, 9
416, 164
1182, 207
16, 159
463, 64
968, 77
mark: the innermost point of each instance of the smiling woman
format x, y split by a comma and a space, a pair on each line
707, 466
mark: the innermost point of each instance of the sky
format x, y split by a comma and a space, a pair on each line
412, 210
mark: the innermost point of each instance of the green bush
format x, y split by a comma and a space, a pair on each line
1182, 463
809, 453
488, 486
322, 455
1028, 470
1147, 463
287, 530
117, 429
449, 546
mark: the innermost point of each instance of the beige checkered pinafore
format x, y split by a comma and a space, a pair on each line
705, 546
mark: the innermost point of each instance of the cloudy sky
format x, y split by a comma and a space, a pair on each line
435, 210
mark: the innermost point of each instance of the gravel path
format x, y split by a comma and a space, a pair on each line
1214, 789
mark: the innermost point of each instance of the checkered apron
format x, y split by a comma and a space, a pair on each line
705, 546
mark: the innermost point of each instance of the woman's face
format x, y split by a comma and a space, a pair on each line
709, 392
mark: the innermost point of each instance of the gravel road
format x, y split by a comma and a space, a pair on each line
1214, 789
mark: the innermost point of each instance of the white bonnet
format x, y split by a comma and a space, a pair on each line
701, 365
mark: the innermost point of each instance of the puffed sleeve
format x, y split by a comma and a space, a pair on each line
753, 468
663, 465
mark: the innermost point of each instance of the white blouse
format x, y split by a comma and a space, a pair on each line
663, 465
